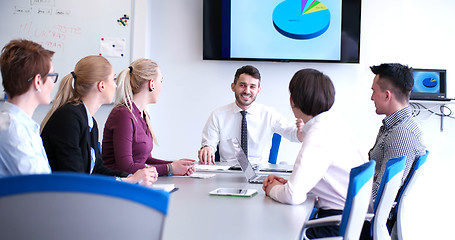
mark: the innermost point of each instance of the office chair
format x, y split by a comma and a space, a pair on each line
385, 198
400, 207
356, 206
276, 140
79, 206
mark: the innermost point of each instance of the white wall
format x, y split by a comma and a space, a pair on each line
414, 32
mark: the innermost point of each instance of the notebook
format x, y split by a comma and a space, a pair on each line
429, 84
245, 164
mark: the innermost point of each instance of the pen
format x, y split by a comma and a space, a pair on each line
147, 166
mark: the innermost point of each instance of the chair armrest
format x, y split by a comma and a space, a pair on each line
330, 238
331, 220
326, 221
369, 216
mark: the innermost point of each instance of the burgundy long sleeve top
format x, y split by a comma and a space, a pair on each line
128, 143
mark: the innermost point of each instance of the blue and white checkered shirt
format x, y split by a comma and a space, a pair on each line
398, 136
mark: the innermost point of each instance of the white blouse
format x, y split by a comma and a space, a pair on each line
322, 166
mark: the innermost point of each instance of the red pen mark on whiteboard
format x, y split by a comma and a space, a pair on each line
52, 37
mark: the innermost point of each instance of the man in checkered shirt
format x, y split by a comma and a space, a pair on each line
399, 134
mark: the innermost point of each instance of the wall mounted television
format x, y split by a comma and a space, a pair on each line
282, 30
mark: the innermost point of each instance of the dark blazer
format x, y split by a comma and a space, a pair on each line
67, 140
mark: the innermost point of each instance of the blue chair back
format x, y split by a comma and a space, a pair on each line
357, 200
79, 206
404, 191
276, 141
387, 192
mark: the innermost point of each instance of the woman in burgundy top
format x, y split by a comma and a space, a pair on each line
128, 137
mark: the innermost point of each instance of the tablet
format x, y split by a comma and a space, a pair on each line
235, 192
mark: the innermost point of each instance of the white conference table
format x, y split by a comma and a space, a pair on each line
194, 214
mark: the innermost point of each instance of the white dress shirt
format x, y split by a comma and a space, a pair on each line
322, 166
225, 123
21, 147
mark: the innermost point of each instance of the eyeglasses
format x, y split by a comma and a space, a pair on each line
54, 76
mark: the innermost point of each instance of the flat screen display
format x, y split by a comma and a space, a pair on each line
277, 30
429, 84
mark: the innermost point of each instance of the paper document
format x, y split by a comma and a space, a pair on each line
112, 47
211, 167
164, 187
198, 175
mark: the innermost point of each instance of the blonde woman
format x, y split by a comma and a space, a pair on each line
69, 131
128, 136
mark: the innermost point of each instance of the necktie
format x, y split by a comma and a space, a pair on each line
92, 153
244, 135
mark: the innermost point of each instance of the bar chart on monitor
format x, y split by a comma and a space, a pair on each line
301, 19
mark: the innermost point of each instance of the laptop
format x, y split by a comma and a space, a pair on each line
429, 84
245, 164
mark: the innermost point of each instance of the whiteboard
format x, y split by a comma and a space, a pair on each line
72, 29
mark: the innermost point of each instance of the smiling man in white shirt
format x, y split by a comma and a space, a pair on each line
225, 123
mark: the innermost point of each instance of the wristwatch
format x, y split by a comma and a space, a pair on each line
170, 172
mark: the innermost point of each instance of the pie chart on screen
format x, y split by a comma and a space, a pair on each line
301, 19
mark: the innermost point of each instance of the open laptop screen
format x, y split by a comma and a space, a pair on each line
429, 84
243, 160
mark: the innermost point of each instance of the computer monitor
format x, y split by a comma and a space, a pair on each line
429, 84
